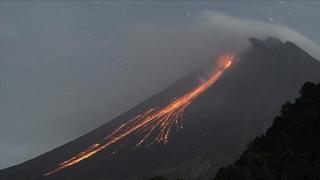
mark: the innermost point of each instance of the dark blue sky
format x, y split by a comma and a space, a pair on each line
67, 67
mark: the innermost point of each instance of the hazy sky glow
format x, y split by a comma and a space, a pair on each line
68, 67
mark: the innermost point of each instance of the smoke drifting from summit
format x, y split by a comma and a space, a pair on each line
207, 33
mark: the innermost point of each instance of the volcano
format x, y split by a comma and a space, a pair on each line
218, 123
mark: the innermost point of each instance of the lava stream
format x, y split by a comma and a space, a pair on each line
161, 119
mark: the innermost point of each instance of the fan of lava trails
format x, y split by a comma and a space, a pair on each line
159, 121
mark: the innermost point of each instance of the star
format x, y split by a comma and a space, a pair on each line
59, 44
188, 14
261, 8
271, 19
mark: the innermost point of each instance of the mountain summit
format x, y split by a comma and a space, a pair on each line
217, 125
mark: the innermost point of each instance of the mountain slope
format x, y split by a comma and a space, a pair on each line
290, 149
217, 124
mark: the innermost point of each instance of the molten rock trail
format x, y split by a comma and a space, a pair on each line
155, 124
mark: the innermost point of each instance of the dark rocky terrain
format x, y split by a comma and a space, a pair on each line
217, 126
290, 149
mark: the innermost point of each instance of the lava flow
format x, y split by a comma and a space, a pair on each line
157, 120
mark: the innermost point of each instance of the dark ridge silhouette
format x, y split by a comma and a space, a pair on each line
217, 126
290, 149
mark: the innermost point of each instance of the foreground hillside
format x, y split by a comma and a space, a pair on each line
290, 149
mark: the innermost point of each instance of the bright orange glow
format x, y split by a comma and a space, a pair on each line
155, 120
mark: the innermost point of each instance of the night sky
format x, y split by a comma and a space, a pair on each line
67, 67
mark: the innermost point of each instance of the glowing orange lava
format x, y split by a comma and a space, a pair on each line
155, 120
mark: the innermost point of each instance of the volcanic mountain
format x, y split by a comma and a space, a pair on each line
238, 104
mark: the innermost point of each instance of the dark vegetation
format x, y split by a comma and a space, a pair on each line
290, 149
